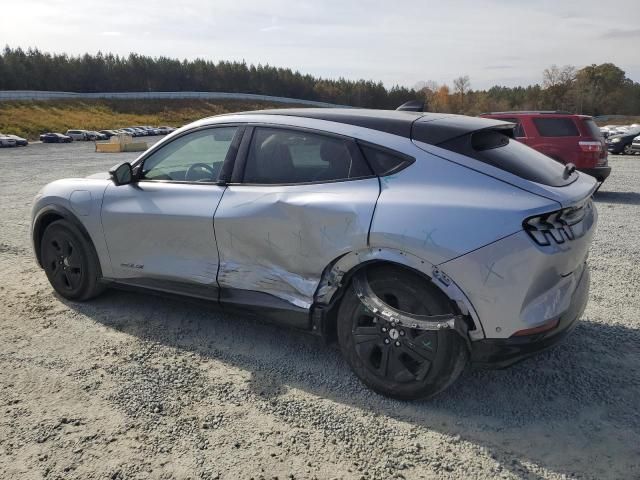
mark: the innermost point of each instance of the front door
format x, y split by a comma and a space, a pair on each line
160, 228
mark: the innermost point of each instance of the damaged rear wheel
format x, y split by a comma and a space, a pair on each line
389, 357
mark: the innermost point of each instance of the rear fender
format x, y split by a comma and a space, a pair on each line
337, 276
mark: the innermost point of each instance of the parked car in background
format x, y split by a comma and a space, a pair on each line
131, 131
7, 141
55, 138
109, 133
165, 130
635, 145
419, 241
148, 131
563, 136
93, 135
622, 144
77, 134
20, 142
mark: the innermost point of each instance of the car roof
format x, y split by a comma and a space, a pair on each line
427, 127
536, 113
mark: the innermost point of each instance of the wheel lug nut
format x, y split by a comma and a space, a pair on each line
384, 329
397, 344
402, 333
386, 340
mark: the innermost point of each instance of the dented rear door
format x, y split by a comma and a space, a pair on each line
277, 239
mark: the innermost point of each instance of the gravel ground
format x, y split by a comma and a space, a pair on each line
135, 386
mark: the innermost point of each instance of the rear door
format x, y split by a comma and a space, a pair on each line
160, 228
299, 199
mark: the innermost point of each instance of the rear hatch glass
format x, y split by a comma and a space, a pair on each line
499, 150
556, 127
594, 130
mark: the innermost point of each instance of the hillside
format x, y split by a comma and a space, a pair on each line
29, 119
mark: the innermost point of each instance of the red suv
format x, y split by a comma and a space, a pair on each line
563, 136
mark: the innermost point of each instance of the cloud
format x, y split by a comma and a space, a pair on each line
499, 67
617, 33
111, 34
271, 28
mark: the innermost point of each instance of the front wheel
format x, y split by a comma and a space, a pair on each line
70, 262
397, 361
627, 150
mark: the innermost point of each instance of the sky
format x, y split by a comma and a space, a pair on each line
494, 42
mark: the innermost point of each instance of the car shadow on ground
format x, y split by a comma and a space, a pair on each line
575, 401
626, 198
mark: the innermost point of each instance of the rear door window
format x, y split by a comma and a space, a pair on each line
556, 127
282, 156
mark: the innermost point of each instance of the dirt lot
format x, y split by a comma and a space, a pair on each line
134, 386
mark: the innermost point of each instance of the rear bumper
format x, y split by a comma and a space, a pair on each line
601, 173
503, 352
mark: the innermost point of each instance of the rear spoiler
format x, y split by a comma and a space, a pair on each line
412, 106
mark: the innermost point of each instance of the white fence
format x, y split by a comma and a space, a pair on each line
46, 95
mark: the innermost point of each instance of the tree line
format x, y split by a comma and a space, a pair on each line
593, 90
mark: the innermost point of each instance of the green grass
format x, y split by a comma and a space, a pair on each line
30, 119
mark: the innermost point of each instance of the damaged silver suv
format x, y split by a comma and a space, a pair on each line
419, 242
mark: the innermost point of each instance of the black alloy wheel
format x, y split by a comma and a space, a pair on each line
70, 262
394, 360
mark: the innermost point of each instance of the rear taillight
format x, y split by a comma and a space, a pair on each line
589, 146
555, 226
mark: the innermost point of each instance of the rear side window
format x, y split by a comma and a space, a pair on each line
556, 127
280, 156
385, 162
500, 151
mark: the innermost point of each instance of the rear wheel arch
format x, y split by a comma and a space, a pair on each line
396, 359
337, 278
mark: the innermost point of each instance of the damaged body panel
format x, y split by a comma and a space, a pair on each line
398, 318
279, 239
515, 284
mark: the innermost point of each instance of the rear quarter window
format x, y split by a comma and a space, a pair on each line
383, 161
556, 127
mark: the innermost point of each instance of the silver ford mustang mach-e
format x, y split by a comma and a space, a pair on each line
420, 242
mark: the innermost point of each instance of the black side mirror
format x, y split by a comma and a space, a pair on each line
121, 174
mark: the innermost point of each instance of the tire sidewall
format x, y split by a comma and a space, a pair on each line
88, 260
